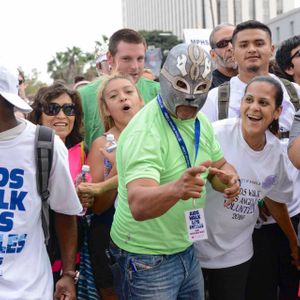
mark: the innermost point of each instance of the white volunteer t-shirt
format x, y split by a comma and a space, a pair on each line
237, 91
262, 173
25, 271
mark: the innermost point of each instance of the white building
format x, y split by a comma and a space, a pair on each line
176, 15
285, 26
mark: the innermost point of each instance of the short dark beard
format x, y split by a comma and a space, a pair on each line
253, 69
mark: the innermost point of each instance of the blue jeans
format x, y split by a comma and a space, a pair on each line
157, 277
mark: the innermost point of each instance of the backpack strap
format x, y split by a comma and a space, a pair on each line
223, 100
290, 88
44, 142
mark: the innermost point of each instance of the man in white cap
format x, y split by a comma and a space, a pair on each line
25, 271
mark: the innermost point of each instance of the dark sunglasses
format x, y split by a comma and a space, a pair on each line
53, 109
21, 81
296, 54
223, 43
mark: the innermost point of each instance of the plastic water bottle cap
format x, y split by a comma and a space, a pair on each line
110, 137
85, 168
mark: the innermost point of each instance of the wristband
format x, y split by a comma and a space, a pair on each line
261, 203
72, 274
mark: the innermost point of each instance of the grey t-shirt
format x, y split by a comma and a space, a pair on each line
295, 130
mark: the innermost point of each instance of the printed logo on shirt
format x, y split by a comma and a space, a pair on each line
11, 200
245, 203
269, 181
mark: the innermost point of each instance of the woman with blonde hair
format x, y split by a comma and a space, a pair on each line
119, 101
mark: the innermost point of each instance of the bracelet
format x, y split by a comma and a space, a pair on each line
72, 274
261, 203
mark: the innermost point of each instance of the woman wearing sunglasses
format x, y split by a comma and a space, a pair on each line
59, 108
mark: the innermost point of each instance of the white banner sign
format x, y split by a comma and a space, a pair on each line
197, 36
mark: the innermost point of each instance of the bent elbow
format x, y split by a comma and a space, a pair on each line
138, 213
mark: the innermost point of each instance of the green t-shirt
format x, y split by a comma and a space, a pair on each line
92, 124
147, 148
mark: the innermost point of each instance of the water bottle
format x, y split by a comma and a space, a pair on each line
83, 176
110, 146
111, 143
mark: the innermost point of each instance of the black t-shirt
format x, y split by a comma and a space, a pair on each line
218, 79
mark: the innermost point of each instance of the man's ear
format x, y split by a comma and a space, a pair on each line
213, 54
110, 58
290, 70
272, 50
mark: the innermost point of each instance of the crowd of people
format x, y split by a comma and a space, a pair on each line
200, 199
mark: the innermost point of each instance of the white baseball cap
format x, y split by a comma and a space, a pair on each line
101, 58
9, 90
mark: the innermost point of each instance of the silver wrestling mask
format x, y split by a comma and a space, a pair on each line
186, 77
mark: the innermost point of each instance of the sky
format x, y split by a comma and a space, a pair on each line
32, 31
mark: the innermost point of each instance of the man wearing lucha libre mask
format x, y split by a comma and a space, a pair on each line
164, 157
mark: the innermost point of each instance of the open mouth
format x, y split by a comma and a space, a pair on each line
126, 107
254, 118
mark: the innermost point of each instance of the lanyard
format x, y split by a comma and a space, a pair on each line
178, 135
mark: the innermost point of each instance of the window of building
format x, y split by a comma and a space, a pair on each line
277, 34
252, 10
266, 10
279, 7
219, 11
238, 11
292, 31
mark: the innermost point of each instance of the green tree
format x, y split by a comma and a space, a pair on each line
66, 65
101, 42
161, 39
33, 84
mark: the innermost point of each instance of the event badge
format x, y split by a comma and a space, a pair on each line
195, 223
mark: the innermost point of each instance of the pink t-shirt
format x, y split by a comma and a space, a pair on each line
75, 160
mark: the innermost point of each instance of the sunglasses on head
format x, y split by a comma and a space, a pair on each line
223, 43
296, 54
53, 109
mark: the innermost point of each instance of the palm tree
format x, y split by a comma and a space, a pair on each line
66, 65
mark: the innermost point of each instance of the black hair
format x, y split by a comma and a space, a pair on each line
274, 126
283, 54
250, 24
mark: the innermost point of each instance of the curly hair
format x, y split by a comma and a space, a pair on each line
49, 93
